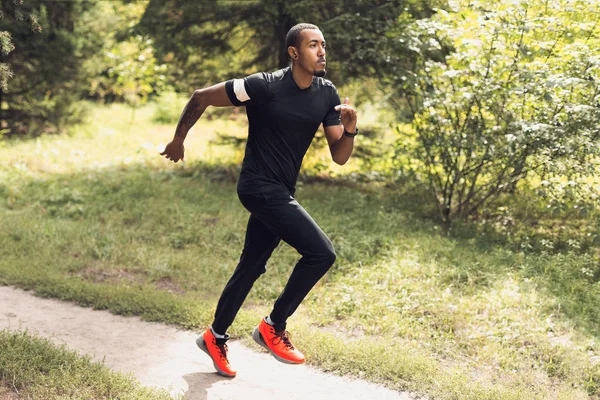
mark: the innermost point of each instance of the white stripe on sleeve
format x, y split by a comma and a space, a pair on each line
240, 90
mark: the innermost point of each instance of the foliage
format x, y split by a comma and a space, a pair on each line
133, 73
14, 12
11, 12
168, 108
46, 63
520, 95
125, 68
199, 39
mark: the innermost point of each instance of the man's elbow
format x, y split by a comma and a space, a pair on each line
199, 98
340, 160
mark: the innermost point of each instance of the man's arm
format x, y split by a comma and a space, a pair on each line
202, 98
341, 146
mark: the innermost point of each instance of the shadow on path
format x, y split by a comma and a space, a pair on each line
199, 383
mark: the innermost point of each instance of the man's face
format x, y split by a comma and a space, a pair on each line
311, 52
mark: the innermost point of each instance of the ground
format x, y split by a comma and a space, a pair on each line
164, 356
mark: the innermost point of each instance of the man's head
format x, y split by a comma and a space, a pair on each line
306, 47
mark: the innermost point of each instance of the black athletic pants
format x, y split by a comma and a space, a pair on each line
274, 216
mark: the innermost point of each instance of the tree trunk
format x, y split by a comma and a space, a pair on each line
285, 22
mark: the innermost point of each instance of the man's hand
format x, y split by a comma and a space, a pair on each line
348, 115
174, 150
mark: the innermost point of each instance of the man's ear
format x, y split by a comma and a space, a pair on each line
293, 52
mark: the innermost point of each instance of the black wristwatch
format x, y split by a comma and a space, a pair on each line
350, 134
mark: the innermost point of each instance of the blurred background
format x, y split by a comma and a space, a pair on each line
473, 99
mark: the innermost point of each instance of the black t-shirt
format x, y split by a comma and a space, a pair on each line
282, 121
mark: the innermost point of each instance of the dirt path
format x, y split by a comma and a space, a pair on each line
167, 357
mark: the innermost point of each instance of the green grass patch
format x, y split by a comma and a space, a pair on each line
34, 368
100, 219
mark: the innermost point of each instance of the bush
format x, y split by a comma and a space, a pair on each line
168, 108
517, 97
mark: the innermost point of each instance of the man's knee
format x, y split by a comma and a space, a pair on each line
326, 256
330, 256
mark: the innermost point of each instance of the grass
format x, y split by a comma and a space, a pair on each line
98, 218
33, 368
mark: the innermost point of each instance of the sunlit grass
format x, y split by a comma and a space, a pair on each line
33, 368
113, 139
99, 218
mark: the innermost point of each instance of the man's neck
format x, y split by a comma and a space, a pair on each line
302, 78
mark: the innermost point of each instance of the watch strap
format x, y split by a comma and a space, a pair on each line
350, 134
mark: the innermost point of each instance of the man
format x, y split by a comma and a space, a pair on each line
284, 109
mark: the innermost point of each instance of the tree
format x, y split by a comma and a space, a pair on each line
124, 68
211, 41
46, 64
11, 11
520, 95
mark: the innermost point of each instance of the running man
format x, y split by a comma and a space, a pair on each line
284, 108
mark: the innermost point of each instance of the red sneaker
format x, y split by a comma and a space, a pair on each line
217, 350
278, 343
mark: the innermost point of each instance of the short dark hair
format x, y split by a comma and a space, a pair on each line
291, 39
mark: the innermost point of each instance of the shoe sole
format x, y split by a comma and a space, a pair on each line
202, 345
258, 338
